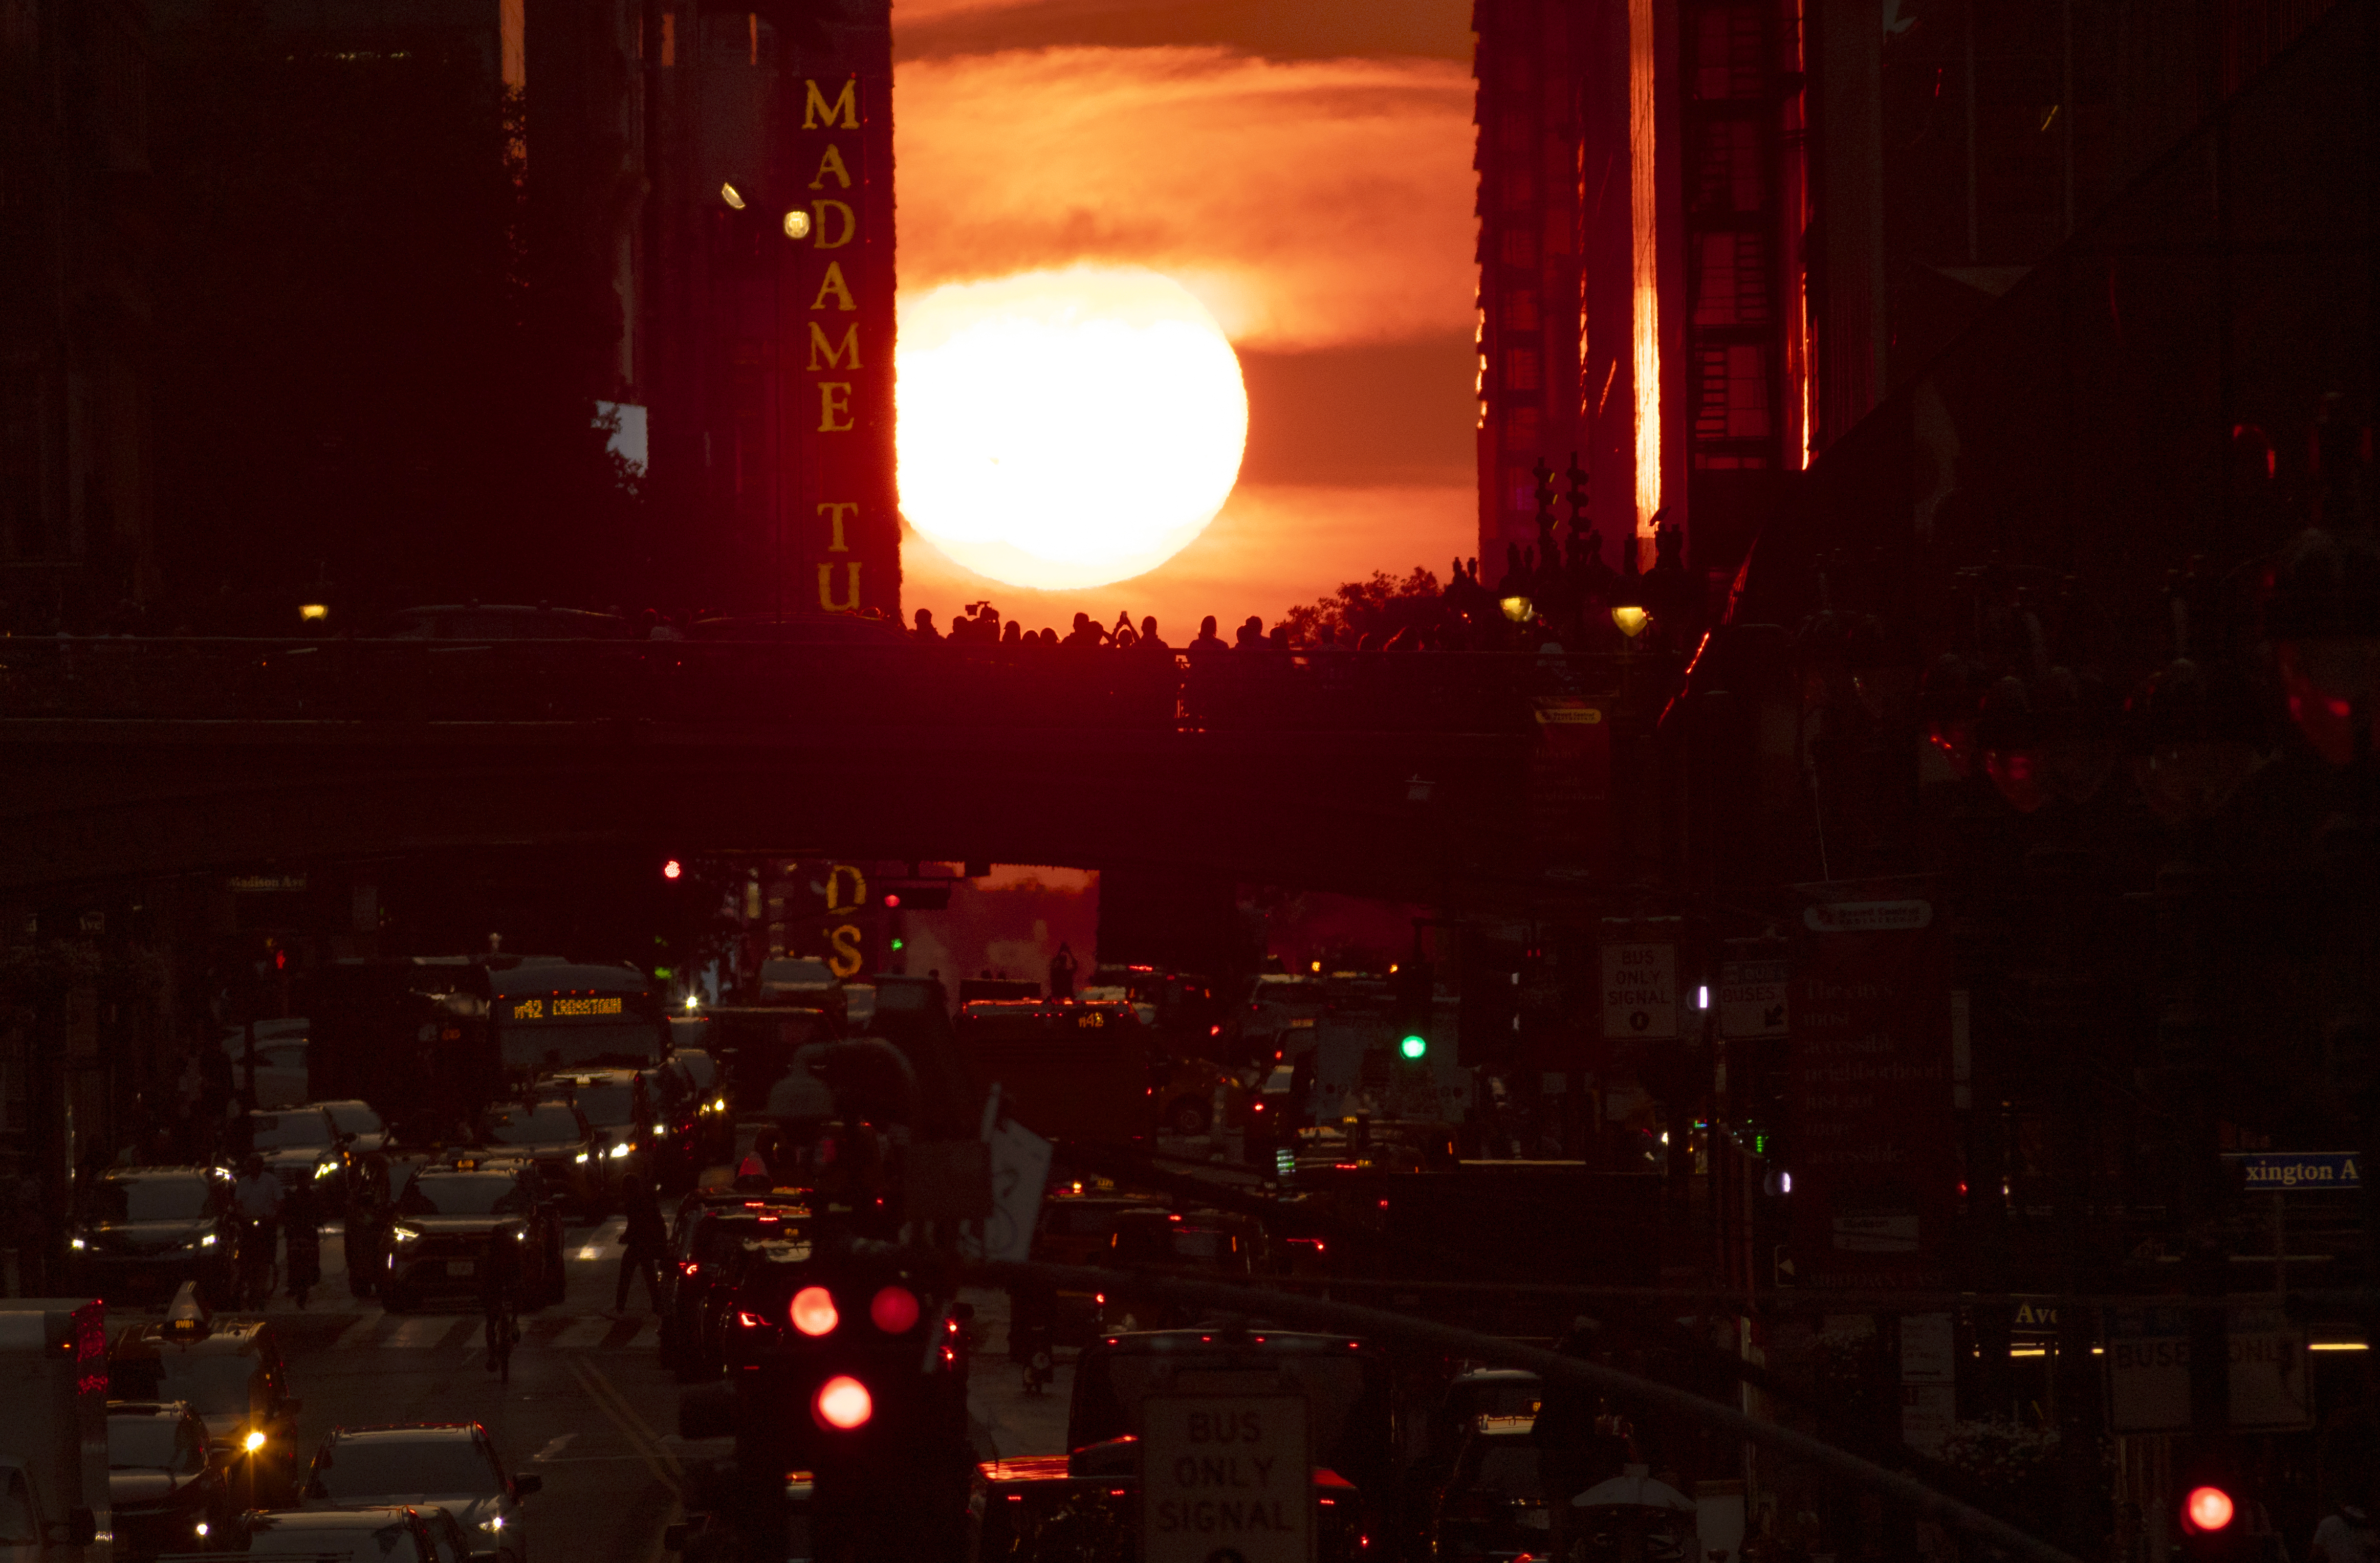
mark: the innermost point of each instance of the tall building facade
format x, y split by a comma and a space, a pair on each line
768, 315
1642, 204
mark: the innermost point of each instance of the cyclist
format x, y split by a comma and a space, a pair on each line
499, 1294
259, 1198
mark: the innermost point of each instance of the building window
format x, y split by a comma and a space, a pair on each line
1521, 368
1523, 429
1520, 247
1521, 310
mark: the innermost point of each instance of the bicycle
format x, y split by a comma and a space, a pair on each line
260, 1270
502, 1332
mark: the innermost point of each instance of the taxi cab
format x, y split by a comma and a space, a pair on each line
231, 1373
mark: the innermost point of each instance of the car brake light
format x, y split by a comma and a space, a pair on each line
687, 1266
749, 1321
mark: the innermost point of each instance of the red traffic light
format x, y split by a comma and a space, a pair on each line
813, 1311
2207, 1508
841, 1403
895, 1310
673, 869
892, 903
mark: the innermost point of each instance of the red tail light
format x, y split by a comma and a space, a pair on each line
841, 1403
687, 1266
895, 1310
749, 1321
813, 1311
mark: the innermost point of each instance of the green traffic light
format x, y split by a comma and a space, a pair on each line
1414, 1045
898, 943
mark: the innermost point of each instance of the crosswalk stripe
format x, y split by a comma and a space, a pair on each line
359, 1332
418, 1333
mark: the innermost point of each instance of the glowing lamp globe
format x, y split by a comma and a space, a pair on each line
813, 1311
843, 1403
2208, 1509
1059, 430
1630, 620
893, 1310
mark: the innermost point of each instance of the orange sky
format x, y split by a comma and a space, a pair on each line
1302, 165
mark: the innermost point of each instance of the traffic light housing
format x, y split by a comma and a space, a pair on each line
1416, 997
2211, 1521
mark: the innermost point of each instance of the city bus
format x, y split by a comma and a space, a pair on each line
550, 1016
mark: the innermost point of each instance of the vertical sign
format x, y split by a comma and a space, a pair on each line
1640, 991
1752, 998
842, 528
1873, 1144
1225, 1479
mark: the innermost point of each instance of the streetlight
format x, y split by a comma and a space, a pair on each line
798, 223
1630, 619
1515, 608
732, 196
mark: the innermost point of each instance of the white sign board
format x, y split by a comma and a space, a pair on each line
1020, 1174
2148, 1373
1225, 1479
1640, 990
1751, 998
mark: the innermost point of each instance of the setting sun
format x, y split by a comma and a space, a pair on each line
1068, 428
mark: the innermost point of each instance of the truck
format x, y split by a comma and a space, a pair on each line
53, 1430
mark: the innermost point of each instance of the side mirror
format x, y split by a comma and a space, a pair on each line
523, 1486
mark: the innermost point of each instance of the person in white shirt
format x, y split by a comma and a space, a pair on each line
256, 1192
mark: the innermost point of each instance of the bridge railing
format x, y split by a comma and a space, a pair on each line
842, 688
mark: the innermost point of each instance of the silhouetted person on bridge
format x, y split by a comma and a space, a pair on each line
1062, 972
1149, 639
1208, 643
925, 630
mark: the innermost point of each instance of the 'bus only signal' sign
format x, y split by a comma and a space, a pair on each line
1225, 1479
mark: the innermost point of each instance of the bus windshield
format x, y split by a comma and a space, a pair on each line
547, 1045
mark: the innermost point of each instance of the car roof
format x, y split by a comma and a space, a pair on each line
224, 1338
355, 1517
409, 1432
611, 1076
134, 1174
176, 1408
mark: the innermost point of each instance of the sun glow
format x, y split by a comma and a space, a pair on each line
1065, 429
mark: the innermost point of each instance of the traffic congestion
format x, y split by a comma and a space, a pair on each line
668, 1254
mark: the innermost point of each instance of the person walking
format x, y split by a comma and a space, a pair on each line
644, 1242
257, 1196
1062, 972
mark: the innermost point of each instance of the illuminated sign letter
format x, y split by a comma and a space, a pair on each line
835, 874
843, 111
833, 283
831, 164
834, 406
842, 957
850, 587
850, 223
837, 512
834, 351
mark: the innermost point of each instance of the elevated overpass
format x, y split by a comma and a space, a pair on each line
1399, 774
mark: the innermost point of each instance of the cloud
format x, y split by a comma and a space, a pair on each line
1308, 203
1305, 30
1273, 547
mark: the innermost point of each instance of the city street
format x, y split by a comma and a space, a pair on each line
590, 1408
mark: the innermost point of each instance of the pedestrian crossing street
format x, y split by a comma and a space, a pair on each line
437, 1332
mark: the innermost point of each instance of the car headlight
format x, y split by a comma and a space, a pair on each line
580, 1158
661, 1128
253, 1442
207, 1241
77, 1243
619, 1151
719, 1105
520, 1237
325, 1169
403, 1234
497, 1523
